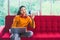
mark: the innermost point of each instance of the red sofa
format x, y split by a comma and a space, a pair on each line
47, 28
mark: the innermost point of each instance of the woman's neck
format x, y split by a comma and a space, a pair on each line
23, 15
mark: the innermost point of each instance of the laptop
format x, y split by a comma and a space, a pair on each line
18, 30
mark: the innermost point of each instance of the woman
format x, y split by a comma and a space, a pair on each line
20, 21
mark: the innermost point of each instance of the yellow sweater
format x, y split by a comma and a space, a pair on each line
21, 22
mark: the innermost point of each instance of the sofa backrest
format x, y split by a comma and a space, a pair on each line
47, 24
8, 22
44, 24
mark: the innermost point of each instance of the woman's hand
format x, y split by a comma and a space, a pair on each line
32, 23
32, 16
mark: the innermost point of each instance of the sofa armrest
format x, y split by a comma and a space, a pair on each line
1, 30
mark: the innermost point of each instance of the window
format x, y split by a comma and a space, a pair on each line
36, 7
45, 7
56, 8
3, 11
33, 6
13, 6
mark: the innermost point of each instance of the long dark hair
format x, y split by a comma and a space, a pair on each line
19, 11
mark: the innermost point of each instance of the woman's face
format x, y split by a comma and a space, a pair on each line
23, 10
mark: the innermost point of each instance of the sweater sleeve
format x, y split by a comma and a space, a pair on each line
15, 20
32, 22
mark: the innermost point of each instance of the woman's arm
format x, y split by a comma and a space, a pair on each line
32, 22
